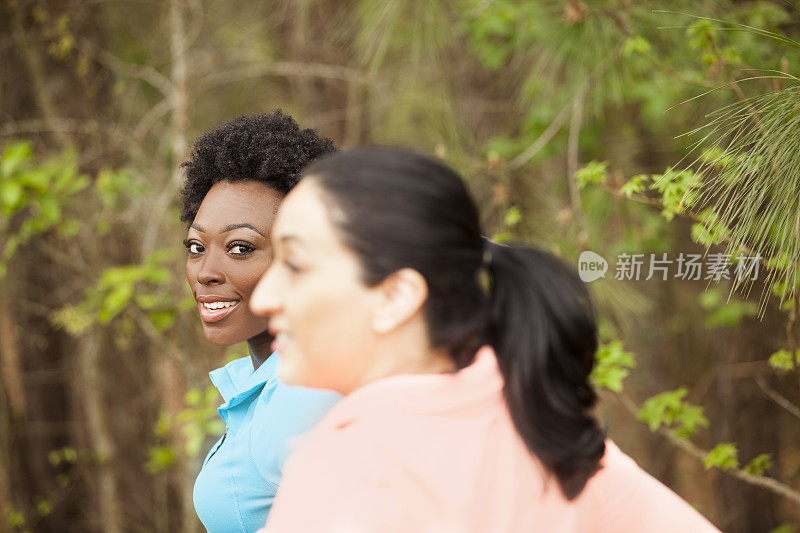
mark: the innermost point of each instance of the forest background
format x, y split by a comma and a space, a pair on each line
619, 127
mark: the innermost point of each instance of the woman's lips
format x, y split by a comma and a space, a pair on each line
223, 309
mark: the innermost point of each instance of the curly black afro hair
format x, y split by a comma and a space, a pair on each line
269, 147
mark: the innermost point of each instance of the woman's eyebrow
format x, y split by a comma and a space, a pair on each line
231, 227
291, 240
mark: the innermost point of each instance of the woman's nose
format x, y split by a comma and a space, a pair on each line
211, 271
265, 299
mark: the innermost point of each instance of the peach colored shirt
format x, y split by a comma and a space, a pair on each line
439, 453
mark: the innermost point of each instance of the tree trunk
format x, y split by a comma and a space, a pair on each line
89, 377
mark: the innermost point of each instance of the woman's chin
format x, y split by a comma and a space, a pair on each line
221, 339
289, 374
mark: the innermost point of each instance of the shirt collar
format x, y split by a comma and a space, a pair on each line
472, 386
238, 380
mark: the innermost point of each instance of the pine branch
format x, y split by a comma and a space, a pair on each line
565, 113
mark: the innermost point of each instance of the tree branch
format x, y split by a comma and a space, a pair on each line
759, 480
283, 68
777, 397
35, 70
122, 68
546, 136
572, 158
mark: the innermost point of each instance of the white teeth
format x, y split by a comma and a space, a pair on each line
218, 305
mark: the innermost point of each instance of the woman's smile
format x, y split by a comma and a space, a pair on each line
215, 308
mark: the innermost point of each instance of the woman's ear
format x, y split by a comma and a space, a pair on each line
401, 297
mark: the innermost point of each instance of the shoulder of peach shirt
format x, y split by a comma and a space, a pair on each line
623, 498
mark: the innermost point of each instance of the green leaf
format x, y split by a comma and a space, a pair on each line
11, 246
69, 228
214, 427
193, 439
513, 216
193, 397
723, 456
74, 319
43, 507
635, 185
70, 454
12, 196
731, 313
148, 301
157, 275
162, 320
710, 231
163, 424
760, 464
15, 154
689, 418
612, 365
503, 236
14, 518
49, 211
159, 458
678, 190
700, 33
114, 302
38, 179
670, 410
635, 45
783, 360
54, 457
594, 172
75, 185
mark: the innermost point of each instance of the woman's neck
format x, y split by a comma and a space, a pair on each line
408, 359
260, 349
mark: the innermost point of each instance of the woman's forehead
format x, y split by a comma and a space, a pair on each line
247, 202
303, 218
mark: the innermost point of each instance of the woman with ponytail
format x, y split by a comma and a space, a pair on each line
464, 364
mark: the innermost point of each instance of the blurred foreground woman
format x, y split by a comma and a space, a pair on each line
464, 363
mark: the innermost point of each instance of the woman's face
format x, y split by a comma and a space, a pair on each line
229, 250
320, 311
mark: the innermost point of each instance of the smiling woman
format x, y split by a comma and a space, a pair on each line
228, 249
236, 177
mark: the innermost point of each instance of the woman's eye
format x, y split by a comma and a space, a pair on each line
240, 248
291, 266
194, 248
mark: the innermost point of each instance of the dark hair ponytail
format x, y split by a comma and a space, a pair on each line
397, 209
543, 330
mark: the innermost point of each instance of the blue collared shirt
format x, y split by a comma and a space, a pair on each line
240, 475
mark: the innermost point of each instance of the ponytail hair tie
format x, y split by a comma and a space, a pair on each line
487, 252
